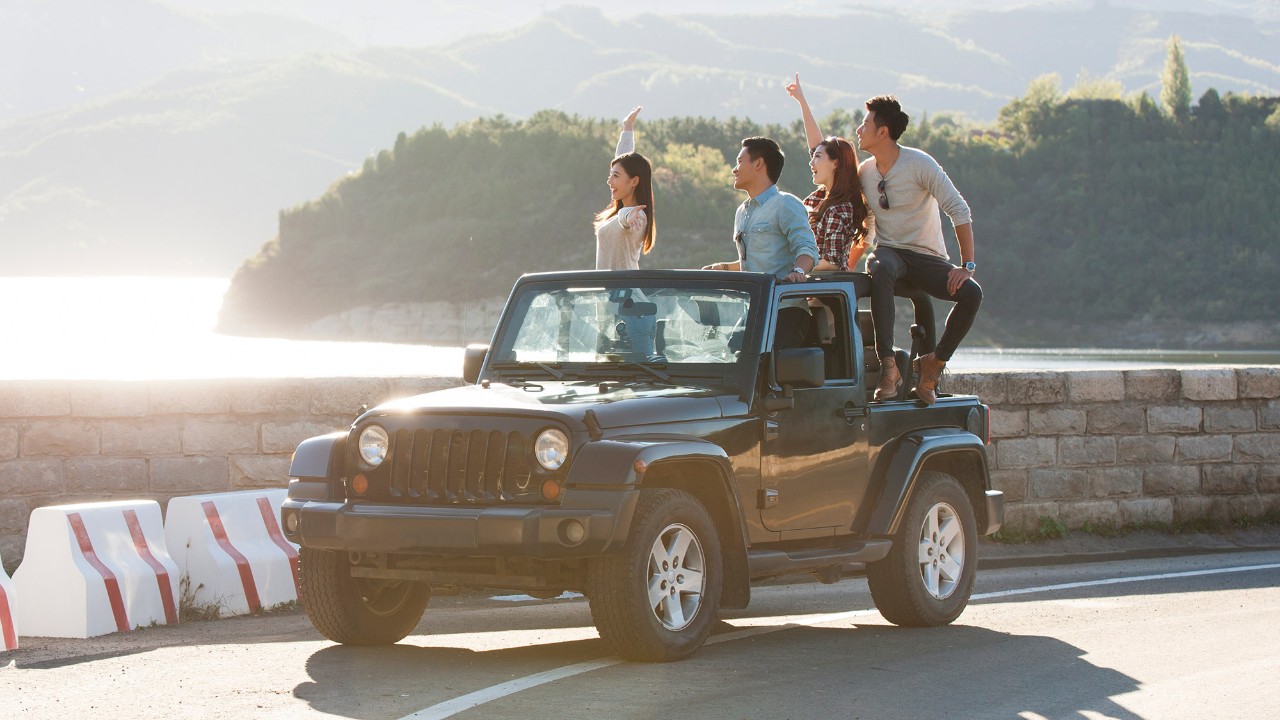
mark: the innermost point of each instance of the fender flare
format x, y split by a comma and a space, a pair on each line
900, 470
316, 467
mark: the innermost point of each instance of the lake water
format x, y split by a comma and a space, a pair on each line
162, 328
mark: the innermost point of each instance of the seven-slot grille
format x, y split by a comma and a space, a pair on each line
452, 466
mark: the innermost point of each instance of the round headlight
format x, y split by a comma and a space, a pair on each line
551, 449
373, 445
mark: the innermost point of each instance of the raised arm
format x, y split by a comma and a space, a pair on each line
811, 131
627, 138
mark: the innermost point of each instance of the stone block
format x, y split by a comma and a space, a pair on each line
284, 437
1269, 479
1257, 448
1013, 483
1220, 419
1115, 482
1270, 415
1036, 388
1097, 512
1025, 517
1008, 423
1229, 480
1147, 385
1195, 507
106, 475
219, 437
990, 387
1174, 419
11, 549
189, 475
1056, 421
275, 396
1146, 511
31, 477
1095, 386
1145, 449
30, 399
189, 397
60, 437
106, 399
1015, 453
13, 516
1105, 419
259, 471
1209, 384
141, 437
345, 396
1204, 448
1171, 480
1246, 507
8, 442
1087, 450
1059, 483
1258, 382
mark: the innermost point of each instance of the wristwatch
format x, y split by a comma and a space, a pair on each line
971, 266
798, 269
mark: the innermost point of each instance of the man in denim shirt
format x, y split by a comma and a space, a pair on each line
772, 233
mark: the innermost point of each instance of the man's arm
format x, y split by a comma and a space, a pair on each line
957, 276
793, 221
723, 266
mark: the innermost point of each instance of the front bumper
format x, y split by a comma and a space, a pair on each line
539, 532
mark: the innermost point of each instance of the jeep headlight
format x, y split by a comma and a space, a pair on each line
373, 445
551, 449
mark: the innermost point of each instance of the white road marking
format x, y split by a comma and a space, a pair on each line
449, 708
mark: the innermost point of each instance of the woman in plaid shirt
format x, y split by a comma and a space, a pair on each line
837, 209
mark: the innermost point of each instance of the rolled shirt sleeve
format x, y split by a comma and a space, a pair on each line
793, 221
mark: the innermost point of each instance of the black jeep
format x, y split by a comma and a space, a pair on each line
638, 437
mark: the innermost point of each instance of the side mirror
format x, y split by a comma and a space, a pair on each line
800, 367
472, 360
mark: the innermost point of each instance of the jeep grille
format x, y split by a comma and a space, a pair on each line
442, 467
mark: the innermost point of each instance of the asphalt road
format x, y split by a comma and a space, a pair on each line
1186, 637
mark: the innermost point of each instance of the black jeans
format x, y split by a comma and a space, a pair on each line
929, 273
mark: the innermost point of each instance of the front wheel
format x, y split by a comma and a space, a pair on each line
656, 599
357, 611
928, 576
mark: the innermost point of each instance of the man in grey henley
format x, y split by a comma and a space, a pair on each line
904, 188
772, 234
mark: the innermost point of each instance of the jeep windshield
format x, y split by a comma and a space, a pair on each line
603, 328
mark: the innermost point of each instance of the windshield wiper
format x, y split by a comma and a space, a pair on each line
548, 369
639, 366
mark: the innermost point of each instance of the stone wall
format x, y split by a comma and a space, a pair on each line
1101, 446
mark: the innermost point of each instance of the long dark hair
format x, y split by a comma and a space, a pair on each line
635, 165
844, 184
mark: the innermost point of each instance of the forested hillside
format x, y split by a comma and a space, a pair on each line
1086, 208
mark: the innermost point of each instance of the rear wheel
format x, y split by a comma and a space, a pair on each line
656, 599
927, 577
357, 611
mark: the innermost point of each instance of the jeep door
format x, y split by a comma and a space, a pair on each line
814, 455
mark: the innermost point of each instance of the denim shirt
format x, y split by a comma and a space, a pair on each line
771, 230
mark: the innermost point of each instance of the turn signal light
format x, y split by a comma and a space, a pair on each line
550, 489
359, 484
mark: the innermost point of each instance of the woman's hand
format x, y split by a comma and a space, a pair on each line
793, 89
629, 122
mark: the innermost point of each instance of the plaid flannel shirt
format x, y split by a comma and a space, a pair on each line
834, 231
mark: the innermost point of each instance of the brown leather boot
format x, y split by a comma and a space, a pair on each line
890, 380
930, 368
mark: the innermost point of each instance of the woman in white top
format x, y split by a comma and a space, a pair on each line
624, 228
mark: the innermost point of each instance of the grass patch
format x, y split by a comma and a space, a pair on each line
189, 609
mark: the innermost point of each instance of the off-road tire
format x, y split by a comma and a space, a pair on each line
927, 578
357, 611
623, 588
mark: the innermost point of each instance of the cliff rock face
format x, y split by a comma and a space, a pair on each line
434, 323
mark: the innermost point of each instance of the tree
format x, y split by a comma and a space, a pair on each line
1175, 84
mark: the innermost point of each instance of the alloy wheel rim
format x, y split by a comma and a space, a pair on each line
676, 577
942, 551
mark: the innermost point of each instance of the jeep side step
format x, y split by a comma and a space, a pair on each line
771, 563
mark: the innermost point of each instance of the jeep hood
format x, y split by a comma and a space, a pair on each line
615, 403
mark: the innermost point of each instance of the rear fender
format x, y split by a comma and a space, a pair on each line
910, 455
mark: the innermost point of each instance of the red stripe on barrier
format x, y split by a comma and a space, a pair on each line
6, 623
162, 575
277, 537
108, 577
242, 563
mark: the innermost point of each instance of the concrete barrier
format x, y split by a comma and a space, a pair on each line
230, 549
95, 568
8, 633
